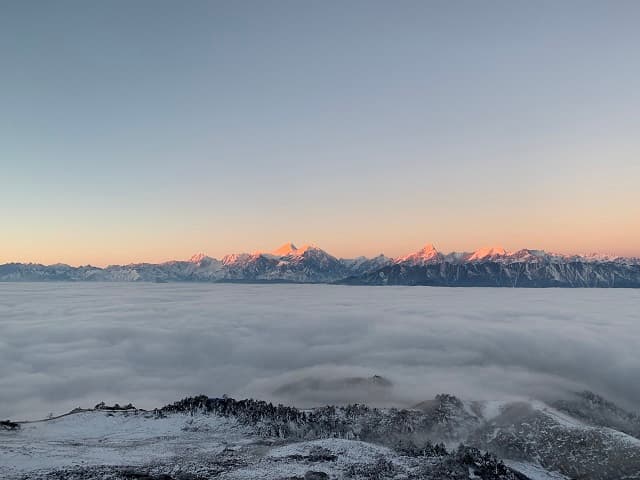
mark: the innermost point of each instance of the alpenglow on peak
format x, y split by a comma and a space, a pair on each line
487, 252
285, 249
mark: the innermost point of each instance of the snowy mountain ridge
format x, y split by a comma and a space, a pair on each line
487, 266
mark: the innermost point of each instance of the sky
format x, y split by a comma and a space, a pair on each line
152, 130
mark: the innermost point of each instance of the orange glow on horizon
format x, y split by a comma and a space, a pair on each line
79, 258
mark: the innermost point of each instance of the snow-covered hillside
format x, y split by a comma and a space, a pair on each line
203, 437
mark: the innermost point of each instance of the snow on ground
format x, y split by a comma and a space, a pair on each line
570, 422
135, 438
623, 436
534, 472
292, 460
114, 438
210, 445
350, 451
557, 416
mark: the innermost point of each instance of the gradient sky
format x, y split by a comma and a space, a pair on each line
150, 130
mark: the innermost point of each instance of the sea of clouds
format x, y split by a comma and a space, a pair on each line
64, 345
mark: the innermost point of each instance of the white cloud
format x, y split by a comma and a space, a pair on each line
64, 344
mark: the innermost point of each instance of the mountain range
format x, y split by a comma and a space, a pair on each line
488, 267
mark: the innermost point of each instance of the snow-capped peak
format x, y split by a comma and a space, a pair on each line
197, 258
236, 258
429, 250
305, 248
426, 254
285, 250
289, 249
487, 252
600, 257
529, 255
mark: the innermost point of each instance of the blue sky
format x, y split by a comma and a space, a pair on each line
151, 130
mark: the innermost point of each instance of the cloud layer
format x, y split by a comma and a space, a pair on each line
63, 345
